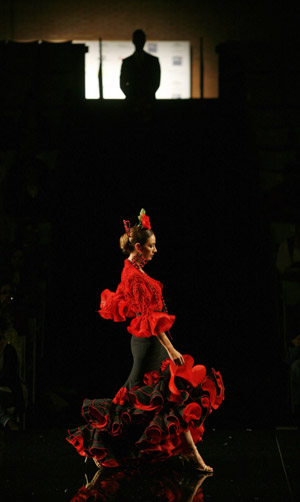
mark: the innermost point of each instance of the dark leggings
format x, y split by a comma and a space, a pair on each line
148, 354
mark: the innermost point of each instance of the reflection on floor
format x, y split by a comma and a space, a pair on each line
165, 482
249, 465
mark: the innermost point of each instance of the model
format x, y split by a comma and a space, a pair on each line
160, 410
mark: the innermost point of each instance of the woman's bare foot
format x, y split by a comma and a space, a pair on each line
193, 456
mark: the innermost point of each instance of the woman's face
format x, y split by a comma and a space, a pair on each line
149, 248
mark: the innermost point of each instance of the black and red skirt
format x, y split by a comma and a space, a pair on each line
145, 423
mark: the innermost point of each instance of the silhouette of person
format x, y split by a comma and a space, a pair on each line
140, 72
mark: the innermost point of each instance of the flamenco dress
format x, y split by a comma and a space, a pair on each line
159, 400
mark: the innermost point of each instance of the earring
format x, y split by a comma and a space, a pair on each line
138, 256
143, 261
134, 259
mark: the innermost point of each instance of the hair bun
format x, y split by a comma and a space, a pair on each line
125, 244
134, 235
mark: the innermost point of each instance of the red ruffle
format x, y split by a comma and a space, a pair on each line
120, 397
152, 377
76, 439
192, 374
85, 494
168, 403
215, 399
113, 307
146, 325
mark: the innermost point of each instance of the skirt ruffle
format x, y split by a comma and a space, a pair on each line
146, 422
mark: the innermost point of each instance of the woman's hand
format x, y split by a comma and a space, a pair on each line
176, 357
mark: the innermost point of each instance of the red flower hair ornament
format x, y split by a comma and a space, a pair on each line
144, 222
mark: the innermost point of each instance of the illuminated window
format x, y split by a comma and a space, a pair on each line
174, 58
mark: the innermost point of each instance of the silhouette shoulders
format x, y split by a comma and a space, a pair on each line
140, 76
146, 55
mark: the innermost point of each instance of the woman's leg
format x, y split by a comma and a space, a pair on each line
148, 354
139, 350
191, 452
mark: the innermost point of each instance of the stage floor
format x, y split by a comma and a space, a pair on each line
256, 464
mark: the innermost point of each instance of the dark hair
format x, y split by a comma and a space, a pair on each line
137, 234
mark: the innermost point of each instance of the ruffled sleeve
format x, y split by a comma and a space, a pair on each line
114, 306
148, 321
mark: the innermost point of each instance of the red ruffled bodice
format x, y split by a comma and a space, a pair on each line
138, 296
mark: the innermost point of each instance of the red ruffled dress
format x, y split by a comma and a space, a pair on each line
159, 400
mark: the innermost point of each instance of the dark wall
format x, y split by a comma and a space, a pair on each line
189, 165
192, 165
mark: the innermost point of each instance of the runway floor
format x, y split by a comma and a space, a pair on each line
256, 464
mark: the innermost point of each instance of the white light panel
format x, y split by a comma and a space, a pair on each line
174, 58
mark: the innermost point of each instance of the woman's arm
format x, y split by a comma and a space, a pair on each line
174, 355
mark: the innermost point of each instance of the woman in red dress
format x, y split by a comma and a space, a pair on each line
160, 409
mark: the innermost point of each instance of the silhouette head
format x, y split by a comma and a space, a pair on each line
139, 39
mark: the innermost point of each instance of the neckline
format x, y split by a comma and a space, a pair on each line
136, 268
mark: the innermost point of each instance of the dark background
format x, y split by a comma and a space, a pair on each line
213, 254
194, 166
